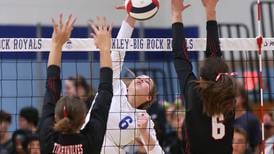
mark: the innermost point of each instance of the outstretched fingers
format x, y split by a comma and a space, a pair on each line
55, 26
60, 21
93, 27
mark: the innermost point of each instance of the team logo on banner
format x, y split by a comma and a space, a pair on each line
68, 44
269, 43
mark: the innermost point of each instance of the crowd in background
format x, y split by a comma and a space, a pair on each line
25, 139
168, 118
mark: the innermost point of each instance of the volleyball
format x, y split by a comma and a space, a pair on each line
142, 9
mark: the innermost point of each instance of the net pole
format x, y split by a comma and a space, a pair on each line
259, 41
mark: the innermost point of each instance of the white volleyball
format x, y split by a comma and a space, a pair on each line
142, 9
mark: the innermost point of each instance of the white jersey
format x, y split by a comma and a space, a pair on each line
122, 120
269, 145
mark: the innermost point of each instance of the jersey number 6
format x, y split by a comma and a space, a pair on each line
124, 123
218, 128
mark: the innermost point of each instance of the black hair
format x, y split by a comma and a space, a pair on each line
243, 93
20, 135
30, 114
29, 138
5, 117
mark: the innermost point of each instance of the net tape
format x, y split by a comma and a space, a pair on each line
130, 44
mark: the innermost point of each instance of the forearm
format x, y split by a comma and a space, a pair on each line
104, 97
179, 42
213, 44
127, 28
130, 21
53, 88
118, 56
55, 55
105, 59
98, 116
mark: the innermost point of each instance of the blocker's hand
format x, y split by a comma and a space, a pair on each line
102, 34
177, 7
210, 4
61, 32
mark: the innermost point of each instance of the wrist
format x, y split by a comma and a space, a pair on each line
143, 131
211, 14
104, 51
177, 18
56, 45
131, 21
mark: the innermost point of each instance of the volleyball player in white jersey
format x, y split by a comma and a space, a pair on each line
128, 120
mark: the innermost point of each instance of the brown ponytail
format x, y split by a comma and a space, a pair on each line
218, 96
70, 114
63, 125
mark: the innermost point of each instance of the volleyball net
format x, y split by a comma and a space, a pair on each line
24, 62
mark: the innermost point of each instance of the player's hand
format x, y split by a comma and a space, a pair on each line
177, 7
210, 8
102, 34
131, 21
62, 31
210, 4
142, 121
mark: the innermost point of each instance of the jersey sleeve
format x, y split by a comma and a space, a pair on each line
118, 55
97, 124
52, 95
213, 48
182, 64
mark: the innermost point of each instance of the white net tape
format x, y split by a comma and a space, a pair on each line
132, 44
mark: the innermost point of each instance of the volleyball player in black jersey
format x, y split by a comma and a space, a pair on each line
209, 98
63, 117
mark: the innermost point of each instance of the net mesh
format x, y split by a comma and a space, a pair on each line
23, 72
23, 77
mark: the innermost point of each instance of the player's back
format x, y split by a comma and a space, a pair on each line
207, 135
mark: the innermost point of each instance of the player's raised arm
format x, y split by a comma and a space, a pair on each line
181, 62
98, 116
61, 34
213, 43
118, 56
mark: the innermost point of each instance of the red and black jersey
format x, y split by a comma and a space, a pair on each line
90, 139
204, 134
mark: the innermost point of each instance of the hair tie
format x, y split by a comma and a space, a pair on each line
230, 74
65, 112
